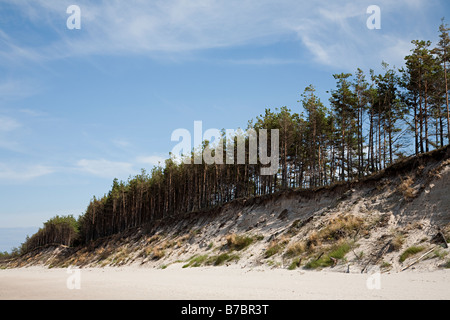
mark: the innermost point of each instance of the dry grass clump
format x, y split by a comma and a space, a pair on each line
405, 188
166, 244
103, 253
237, 242
331, 242
397, 242
314, 240
154, 253
121, 257
296, 249
338, 228
158, 253
154, 238
181, 240
412, 226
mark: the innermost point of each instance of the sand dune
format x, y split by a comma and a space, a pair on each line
224, 283
373, 224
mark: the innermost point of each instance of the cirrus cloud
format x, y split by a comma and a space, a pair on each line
328, 31
151, 160
15, 173
104, 168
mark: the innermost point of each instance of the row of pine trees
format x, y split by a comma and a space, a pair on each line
372, 121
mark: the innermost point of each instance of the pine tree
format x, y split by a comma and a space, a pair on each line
443, 52
315, 136
343, 100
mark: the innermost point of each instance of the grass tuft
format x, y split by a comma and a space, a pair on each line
238, 243
294, 264
275, 247
411, 251
196, 261
397, 242
222, 258
295, 249
405, 188
325, 260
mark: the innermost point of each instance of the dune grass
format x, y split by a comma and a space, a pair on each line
411, 251
275, 247
222, 258
238, 242
337, 252
196, 261
217, 260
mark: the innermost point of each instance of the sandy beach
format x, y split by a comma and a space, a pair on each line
222, 283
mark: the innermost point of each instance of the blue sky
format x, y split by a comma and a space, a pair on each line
80, 107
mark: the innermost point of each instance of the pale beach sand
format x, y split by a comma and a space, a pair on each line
222, 283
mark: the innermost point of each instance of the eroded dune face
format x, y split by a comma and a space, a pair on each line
433, 202
387, 220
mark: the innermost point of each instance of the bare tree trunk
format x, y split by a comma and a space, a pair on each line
416, 129
370, 157
426, 117
446, 98
390, 140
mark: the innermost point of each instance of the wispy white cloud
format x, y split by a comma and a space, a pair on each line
150, 26
105, 168
19, 173
11, 51
22, 173
263, 61
334, 33
155, 27
110, 169
151, 160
